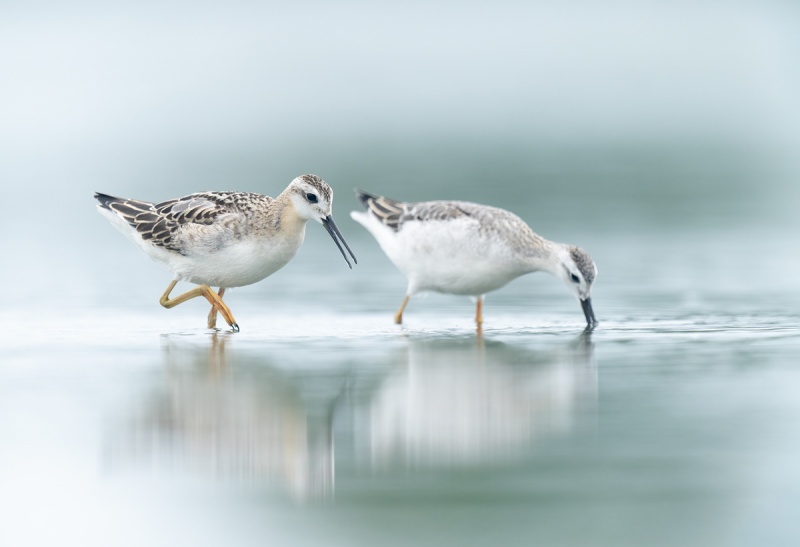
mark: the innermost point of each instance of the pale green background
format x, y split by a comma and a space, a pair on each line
660, 136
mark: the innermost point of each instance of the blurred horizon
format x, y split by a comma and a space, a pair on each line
593, 123
660, 137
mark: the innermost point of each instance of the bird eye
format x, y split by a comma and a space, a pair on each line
575, 278
312, 198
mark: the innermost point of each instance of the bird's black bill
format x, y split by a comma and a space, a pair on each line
330, 225
591, 321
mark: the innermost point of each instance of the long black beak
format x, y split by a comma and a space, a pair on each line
330, 225
591, 321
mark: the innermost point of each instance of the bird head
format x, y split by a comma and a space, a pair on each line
313, 200
578, 271
312, 197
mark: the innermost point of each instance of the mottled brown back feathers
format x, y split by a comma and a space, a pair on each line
158, 223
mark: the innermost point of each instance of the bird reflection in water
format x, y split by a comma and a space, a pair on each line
235, 417
462, 402
420, 401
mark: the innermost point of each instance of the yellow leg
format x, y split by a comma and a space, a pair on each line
398, 317
479, 312
201, 290
212, 315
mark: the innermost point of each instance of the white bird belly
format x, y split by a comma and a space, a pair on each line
235, 265
448, 256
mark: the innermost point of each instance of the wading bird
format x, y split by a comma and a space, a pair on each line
457, 247
224, 239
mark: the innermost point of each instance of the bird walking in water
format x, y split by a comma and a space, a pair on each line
464, 248
224, 239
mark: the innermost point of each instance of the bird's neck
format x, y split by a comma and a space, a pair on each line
289, 220
544, 257
282, 218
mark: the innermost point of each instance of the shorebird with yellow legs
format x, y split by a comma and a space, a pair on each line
457, 247
224, 239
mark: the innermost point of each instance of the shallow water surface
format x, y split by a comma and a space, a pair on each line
661, 138
321, 428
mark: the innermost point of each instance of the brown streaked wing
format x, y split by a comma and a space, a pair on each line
394, 213
170, 215
129, 209
438, 210
157, 223
388, 211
